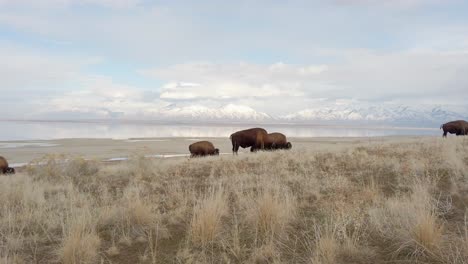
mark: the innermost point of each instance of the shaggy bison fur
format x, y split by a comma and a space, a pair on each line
4, 169
203, 148
275, 141
458, 127
253, 137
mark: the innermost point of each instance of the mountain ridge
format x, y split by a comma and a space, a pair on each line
351, 113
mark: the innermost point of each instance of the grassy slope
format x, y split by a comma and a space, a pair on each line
373, 203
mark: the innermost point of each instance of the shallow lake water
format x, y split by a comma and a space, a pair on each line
21, 130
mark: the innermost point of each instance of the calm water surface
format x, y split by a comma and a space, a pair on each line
19, 130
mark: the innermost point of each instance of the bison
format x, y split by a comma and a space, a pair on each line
253, 137
275, 141
4, 169
202, 148
458, 127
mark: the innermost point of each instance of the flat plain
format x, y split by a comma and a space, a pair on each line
103, 149
328, 200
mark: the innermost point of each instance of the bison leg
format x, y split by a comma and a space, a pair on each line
274, 146
254, 149
235, 147
445, 134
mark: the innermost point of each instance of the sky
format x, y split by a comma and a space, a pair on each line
93, 58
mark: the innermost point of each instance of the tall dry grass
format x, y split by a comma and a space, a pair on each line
384, 202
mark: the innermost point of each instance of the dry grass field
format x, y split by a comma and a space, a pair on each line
385, 202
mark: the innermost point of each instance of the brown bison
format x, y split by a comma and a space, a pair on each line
4, 169
253, 137
458, 127
203, 148
276, 141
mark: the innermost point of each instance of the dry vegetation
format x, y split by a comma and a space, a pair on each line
372, 203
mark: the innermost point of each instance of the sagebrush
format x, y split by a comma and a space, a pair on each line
367, 203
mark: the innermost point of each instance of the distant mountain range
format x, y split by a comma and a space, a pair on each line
228, 112
391, 114
385, 114
325, 113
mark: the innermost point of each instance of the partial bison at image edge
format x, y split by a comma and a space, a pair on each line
4, 168
458, 127
202, 148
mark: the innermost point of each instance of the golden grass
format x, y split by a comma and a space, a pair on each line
366, 203
80, 246
326, 246
270, 212
206, 224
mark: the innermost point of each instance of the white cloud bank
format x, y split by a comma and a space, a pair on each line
23, 69
413, 76
233, 81
68, 3
411, 57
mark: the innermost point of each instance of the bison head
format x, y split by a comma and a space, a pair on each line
9, 170
216, 152
288, 145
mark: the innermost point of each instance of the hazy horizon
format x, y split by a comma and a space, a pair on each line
52, 130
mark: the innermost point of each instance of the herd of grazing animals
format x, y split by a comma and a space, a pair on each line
259, 139
255, 138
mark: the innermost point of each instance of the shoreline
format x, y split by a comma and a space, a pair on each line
323, 124
20, 152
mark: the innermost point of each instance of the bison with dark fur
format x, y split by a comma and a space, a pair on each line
4, 169
458, 127
203, 148
277, 141
253, 137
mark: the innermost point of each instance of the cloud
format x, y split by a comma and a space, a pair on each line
102, 97
68, 3
25, 69
233, 81
361, 75
173, 32
355, 50
63, 84
391, 3
411, 75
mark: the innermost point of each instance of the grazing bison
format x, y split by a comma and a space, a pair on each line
459, 128
254, 137
4, 169
277, 141
203, 148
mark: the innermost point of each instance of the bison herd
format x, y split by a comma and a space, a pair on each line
255, 138
259, 139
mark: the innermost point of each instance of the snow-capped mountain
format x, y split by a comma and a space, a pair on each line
385, 113
355, 113
326, 113
228, 112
